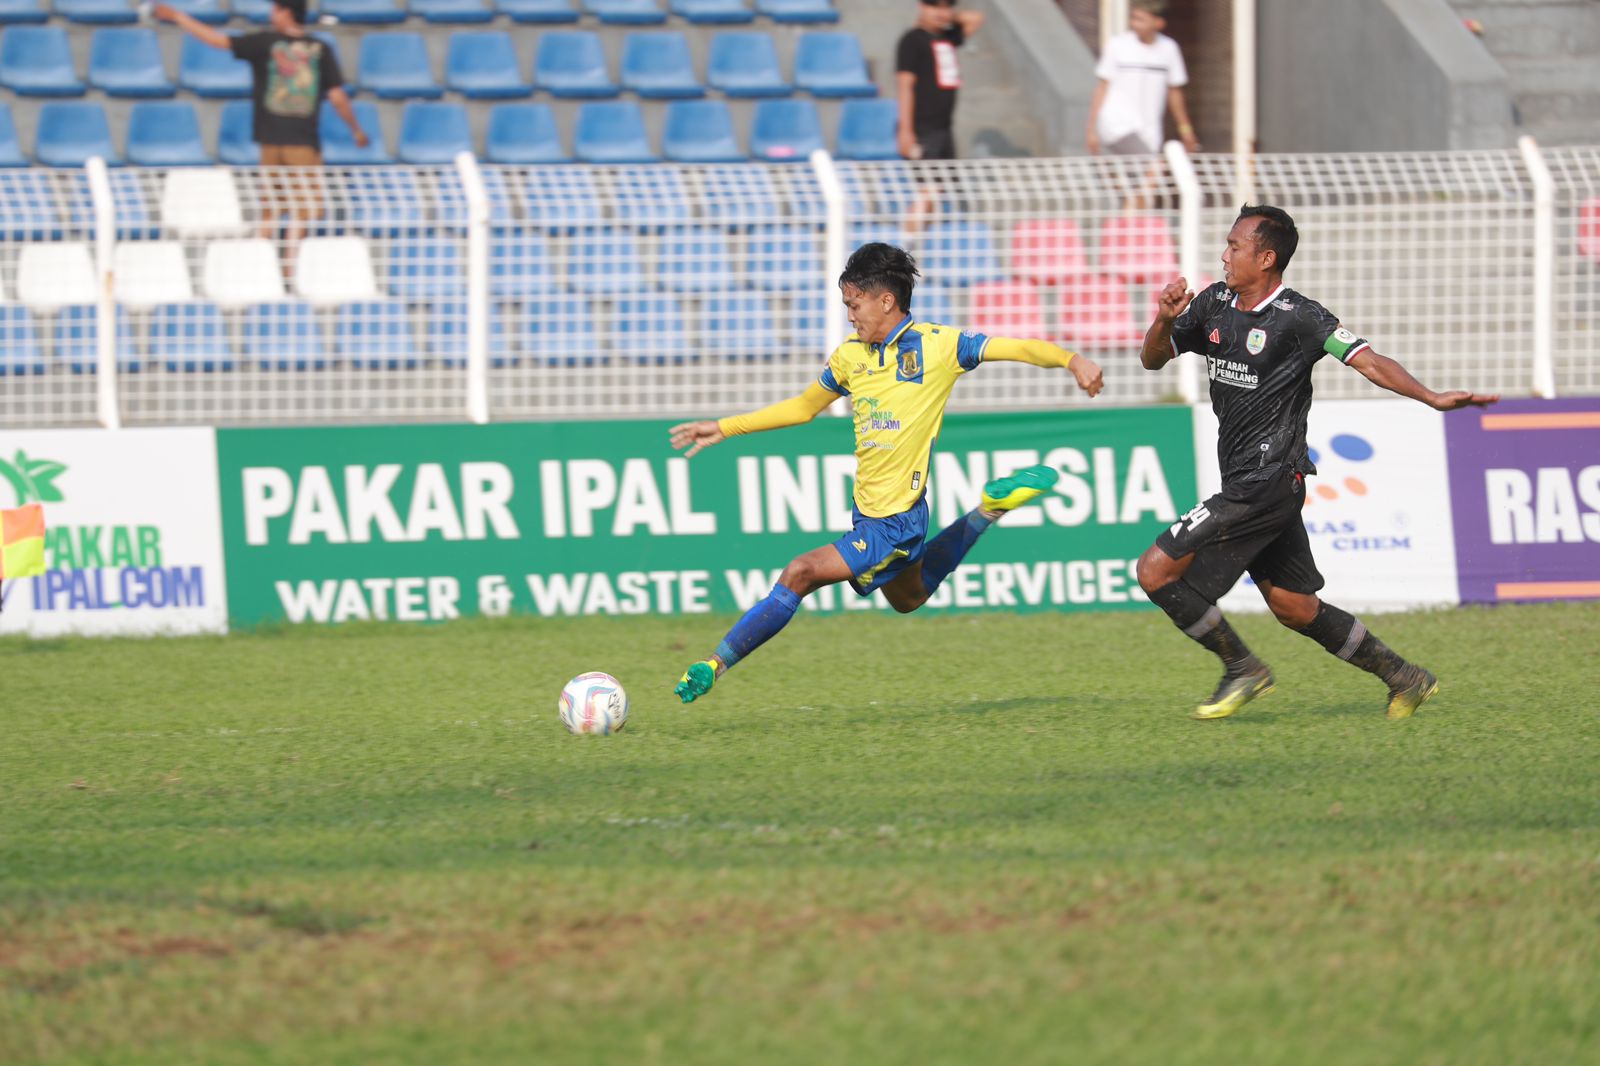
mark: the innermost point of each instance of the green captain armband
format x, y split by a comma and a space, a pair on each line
1343, 345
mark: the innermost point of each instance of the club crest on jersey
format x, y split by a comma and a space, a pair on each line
1256, 341
910, 362
1215, 338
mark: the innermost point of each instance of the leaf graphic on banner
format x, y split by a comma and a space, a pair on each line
19, 481
33, 480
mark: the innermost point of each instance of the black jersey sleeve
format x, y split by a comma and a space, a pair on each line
1320, 334
1189, 331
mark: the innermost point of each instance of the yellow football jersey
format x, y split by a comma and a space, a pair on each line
899, 390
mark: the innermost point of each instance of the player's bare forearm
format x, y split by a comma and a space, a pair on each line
1173, 301
1388, 374
1044, 354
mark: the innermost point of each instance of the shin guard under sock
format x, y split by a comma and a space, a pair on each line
1202, 621
1344, 635
946, 551
760, 624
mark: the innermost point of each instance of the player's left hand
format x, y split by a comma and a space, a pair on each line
1087, 371
1452, 401
696, 436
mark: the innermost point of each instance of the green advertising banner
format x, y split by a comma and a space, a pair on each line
420, 523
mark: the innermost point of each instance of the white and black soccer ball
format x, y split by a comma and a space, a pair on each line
593, 703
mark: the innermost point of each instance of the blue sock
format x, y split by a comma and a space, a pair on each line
759, 624
946, 551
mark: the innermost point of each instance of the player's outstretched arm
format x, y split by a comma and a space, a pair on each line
1043, 353
697, 436
1388, 374
1157, 350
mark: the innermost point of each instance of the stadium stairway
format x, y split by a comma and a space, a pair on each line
1550, 50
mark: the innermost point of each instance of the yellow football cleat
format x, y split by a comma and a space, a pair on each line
1410, 691
1233, 692
1009, 493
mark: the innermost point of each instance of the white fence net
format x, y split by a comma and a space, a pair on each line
612, 292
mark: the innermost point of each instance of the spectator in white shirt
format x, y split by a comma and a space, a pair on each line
1141, 76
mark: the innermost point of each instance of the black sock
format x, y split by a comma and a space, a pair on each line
1202, 621
1344, 635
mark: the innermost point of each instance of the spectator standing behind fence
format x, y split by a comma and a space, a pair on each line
291, 73
928, 75
1141, 77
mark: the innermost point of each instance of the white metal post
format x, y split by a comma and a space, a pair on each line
1188, 182
1113, 20
105, 313
477, 196
835, 322
1244, 99
1544, 267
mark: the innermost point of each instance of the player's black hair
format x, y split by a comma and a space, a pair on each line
879, 267
1275, 230
297, 8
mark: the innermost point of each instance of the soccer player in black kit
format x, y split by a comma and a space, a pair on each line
1261, 340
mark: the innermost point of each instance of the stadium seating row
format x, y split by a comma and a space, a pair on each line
167, 134
621, 12
37, 61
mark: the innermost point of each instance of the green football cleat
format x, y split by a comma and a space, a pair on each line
1414, 687
696, 681
1233, 692
1009, 493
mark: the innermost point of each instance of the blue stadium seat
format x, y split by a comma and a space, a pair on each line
365, 12
560, 331
97, 12
13, 12
434, 133
785, 131
339, 144
284, 335
426, 268
375, 335
785, 257
745, 63
831, 64
72, 131
386, 201
450, 203
561, 198
627, 12
572, 63
37, 61
650, 197
659, 66
713, 12
447, 334
28, 210
10, 148
740, 325
395, 66
612, 131
519, 265
211, 12
207, 71
549, 12
867, 130
740, 195
483, 66
961, 252
453, 12
127, 62
700, 131
75, 340
521, 134
695, 260
798, 10
605, 263
191, 337
236, 141
165, 134
651, 331
19, 342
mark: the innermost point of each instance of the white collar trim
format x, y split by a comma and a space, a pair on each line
1273, 295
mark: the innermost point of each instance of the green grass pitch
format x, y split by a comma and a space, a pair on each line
881, 840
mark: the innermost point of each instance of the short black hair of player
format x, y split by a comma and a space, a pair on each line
879, 267
1275, 230
297, 8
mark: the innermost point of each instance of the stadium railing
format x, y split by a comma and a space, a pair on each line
159, 297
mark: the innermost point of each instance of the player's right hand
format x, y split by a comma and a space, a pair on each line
695, 436
1088, 373
1174, 298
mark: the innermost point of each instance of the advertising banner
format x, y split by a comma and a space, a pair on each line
1525, 489
421, 523
132, 542
1378, 510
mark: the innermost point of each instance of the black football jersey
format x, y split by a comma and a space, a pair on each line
1259, 361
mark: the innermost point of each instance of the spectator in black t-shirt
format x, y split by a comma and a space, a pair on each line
928, 76
291, 72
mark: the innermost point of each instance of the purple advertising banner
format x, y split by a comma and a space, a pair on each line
1525, 492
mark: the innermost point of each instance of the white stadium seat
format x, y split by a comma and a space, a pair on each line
236, 273
202, 202
335, 270
146, 273
54, 275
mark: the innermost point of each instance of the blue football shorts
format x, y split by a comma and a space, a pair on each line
878, 549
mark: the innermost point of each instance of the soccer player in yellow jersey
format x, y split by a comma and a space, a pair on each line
898, 373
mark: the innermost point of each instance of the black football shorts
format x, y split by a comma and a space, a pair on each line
1250, 526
